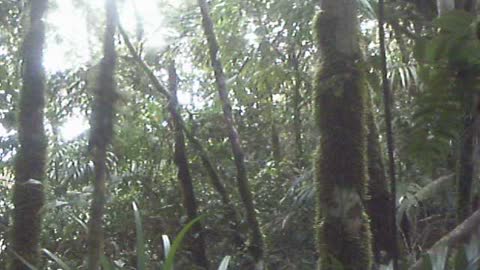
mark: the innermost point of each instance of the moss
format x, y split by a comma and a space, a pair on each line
102, 121
341, 176
28, 195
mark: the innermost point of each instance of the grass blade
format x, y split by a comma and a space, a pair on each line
224, 263
141, 253
177, 243
166, 245
29, 265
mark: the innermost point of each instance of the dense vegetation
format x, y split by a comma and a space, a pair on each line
239, 134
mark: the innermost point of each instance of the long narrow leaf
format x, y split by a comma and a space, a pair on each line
224, 263
177, 243
166, 245
141, 253
29, 265
56, 259
106, 265
79, 221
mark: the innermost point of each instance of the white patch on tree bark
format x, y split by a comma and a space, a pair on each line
444, 6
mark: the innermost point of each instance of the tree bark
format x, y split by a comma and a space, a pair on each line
256, 239
341, 174
274, 132
101, 136
184, 177
378, 199
28, 194
465, 165
388, 103
297, 111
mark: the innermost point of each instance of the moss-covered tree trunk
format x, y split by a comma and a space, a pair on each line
28, 194
341, 173
186, 184
101, 136
378, 199
256, 247
465, 166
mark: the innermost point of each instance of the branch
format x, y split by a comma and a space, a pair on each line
156, 83
459, 236
202, 152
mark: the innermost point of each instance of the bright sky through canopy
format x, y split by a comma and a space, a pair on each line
68, 45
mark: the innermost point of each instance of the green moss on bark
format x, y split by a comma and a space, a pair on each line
341, 173
28, 195
101, 133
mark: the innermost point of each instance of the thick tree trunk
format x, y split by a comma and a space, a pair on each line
378, 199
465, 166
185, 179
341, 174
256, 238
101, 136
28, 194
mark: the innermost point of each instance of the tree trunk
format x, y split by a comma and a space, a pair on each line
181, 161
468, 5
379, 197
276, 145
341, 174
388, 103
28, 194
101, 136
465, 166
297, 111
256, 238
230, 211
274, 132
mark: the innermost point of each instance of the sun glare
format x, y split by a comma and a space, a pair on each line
68, 45
74, 127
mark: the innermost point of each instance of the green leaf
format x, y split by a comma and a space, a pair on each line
420, 49
224, 263
438, 257
141, 253
166, 245
457, 21
438, 47
106, 265
56, 259
79, 221
460, 260
177, 243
